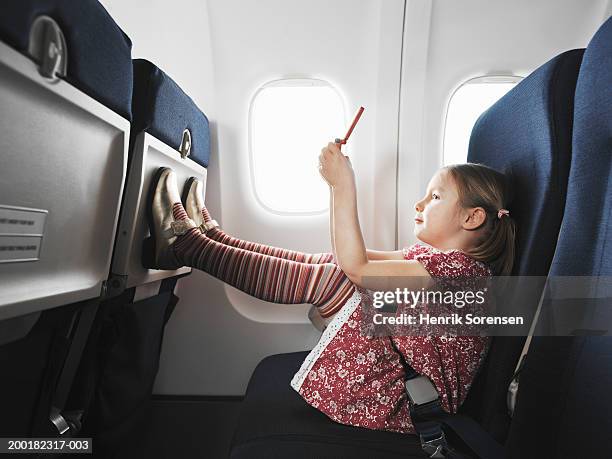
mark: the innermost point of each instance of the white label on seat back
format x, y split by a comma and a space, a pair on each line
19, 220
19, 248
21, 233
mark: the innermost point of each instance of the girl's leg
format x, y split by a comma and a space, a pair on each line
219, 235
194, 200
263, 276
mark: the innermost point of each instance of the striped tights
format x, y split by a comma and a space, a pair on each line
220, 236
268, 273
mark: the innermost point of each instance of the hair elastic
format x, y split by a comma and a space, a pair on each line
502, 212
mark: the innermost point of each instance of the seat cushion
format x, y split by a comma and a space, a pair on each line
276, 422
162, 109
99, 53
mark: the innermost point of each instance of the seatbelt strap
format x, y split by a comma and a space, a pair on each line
514, 382
430, 421
474, 436
69, 423
429, 418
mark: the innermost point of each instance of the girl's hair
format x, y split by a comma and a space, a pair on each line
480, 186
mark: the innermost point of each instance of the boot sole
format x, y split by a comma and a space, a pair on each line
186, 189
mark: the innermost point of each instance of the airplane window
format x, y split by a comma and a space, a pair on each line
468, 102
289, 122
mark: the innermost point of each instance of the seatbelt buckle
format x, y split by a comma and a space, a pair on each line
511, 396
420, 390
60, 423
436, 448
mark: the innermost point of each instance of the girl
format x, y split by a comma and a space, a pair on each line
352, 378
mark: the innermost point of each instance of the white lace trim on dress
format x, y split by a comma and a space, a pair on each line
329, 334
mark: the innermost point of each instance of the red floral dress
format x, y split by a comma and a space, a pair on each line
359, 380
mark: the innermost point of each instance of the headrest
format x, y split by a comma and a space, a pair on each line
99, 53
585, 238
162, 109
527, 135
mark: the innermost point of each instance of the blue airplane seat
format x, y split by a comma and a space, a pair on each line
564, 401
65, 94
66, 97
67, 79
276, 422
168, 129
526, 133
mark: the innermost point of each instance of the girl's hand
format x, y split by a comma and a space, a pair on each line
335, 167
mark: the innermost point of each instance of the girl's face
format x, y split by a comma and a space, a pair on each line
438, 219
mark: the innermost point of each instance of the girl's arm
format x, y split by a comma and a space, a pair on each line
384, 255
371, 254
350, 248
331, 223
350, 251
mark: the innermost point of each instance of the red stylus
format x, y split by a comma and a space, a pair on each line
348, 134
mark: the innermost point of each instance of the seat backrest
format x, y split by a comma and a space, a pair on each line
65, 97
527, 135
564, 399
168, 130
64, 146
164, 110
